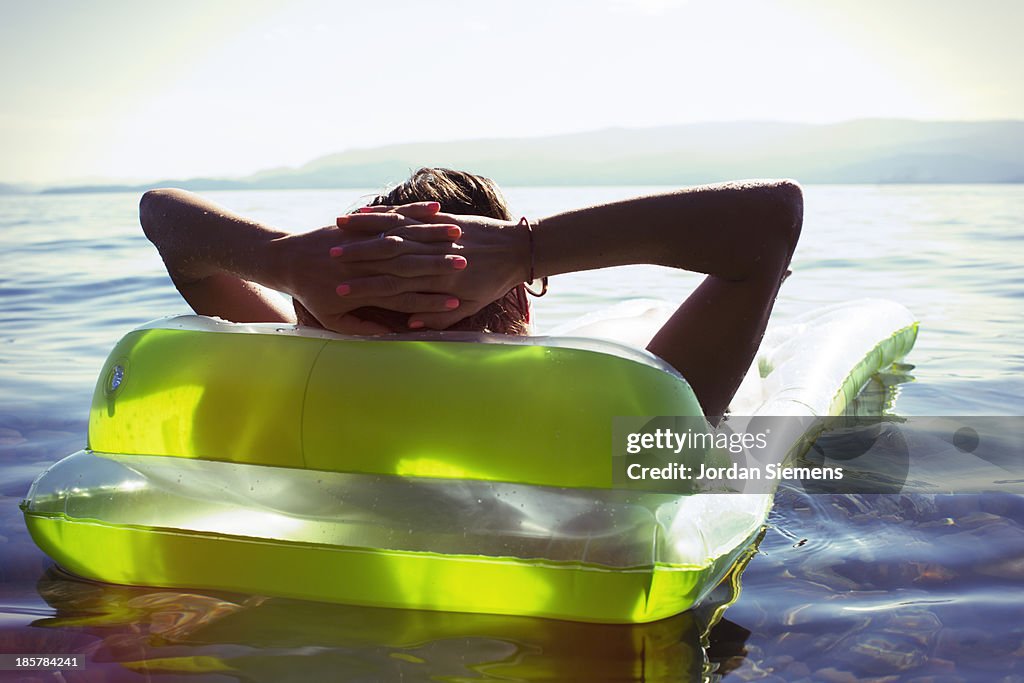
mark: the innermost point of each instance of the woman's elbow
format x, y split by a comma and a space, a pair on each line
782, 213
153, 207
776, 207
788, 205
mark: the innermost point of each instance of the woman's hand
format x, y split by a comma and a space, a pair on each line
493, 258
313, 268
224, 264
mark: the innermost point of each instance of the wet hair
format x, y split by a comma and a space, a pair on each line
458, 192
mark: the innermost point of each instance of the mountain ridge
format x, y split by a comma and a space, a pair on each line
860, 151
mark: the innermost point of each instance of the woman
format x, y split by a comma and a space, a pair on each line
441, 251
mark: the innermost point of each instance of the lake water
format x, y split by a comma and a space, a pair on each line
912, 586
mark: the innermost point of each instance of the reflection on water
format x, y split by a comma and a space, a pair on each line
258, 639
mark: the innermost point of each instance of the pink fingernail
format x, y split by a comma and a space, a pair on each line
434, 206
454, 231
366, 209
451, 303
458, 262
342, 290
336, 251
415, 324
342, 220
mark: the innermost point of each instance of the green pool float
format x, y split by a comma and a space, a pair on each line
458, 472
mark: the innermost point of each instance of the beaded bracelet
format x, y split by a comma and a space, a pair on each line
533, 278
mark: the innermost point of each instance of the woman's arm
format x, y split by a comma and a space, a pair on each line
221, 263
742, 235
731, 231
224, 264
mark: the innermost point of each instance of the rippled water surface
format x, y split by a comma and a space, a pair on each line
909, 586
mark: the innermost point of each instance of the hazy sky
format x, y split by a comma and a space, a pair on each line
148, 90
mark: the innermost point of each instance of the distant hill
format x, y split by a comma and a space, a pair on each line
862, 151
5, 188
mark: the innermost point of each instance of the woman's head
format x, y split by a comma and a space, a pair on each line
456, 191
465, 193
